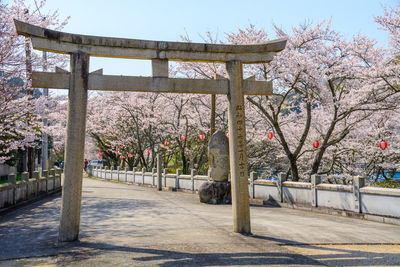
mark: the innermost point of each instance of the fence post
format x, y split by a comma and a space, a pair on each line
281, 178
134, 174
52, 173
126, 174
253, 176
178, 172
315, 180
192, 174
159, 174
209, 175
105, 172
118, 170
25, 179
57, 178
143, 171
12, 180
358, 182
165, 177
45, 174
36, 177
25, 176
153, 176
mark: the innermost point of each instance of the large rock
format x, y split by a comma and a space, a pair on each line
215, 193
218, 154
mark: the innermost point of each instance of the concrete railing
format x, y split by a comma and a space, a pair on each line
15, 192
351, 199
168, 180
379, 204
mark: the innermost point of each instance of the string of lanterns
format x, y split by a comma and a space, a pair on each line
382, 144
148, 151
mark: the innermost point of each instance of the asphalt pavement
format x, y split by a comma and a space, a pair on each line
129, 225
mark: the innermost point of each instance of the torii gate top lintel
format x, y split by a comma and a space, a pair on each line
157, 51
61, 42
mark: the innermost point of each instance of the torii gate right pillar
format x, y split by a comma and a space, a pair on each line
237, 149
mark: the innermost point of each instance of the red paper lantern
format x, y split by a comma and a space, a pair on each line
315, 144
166, 143
148, 151
121, 157
201, 137
130, 156
183, 138
99, 149
270, 135
383, 144
100, 155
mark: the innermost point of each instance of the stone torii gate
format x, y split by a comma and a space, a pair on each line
79, 81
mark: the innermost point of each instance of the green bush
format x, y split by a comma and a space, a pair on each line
388, 183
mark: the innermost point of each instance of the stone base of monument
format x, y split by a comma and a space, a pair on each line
215, 193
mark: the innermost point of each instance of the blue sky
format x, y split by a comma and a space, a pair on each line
166, 20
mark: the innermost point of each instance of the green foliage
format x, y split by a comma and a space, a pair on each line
388, 183
173, 169
19, 178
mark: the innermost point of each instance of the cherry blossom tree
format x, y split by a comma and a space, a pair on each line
325, 87
21, 111
140, 123
342, 93
390, 22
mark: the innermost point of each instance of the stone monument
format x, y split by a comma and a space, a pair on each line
219, 190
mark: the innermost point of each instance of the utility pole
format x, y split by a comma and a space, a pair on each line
45, 137
29, 91
213, 102
212, 121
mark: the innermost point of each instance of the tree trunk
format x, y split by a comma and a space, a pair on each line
293, 168
185, 167
324, 145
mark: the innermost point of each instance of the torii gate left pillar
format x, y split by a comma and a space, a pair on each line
74, 147
79, 81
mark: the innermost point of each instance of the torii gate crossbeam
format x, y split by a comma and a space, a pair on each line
79, 81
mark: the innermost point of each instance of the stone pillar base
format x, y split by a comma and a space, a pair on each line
215, 193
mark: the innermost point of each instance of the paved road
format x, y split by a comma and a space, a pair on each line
125, 225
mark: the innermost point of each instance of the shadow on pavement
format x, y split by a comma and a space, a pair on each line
343, 254
173, 258
32, 231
